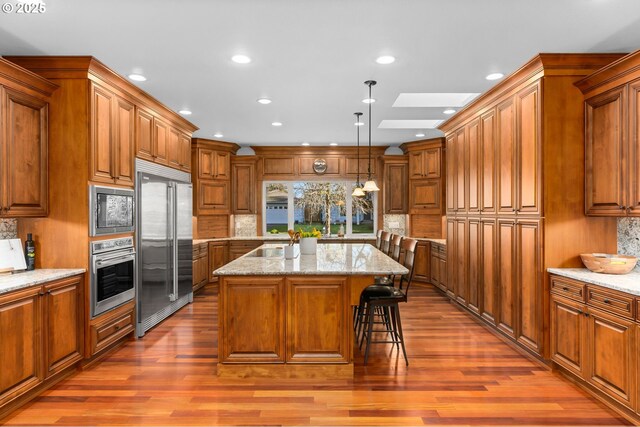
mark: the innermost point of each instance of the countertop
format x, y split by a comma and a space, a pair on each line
629, 283
284, 237
331, 259
13, 282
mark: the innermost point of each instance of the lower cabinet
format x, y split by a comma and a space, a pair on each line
598, 346
41, 334
200, 263
422, 266
218, 255
111, 327
239, 248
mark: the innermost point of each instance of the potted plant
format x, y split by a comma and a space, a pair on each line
309, 241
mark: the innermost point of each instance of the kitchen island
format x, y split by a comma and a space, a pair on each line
292, 318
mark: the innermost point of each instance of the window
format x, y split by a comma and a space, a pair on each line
317, 204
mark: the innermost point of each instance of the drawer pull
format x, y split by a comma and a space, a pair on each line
606, 301
564, 288
580, 312
586, 315
117, 327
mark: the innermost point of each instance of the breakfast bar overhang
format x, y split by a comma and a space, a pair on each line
293, 318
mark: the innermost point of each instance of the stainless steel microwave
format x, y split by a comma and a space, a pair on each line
111, 210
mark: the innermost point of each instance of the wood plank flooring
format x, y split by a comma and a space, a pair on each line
459, 374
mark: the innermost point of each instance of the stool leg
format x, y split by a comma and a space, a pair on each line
363, 322
370, 330
396, 309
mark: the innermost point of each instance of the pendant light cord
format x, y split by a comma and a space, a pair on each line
370, 102
358, 149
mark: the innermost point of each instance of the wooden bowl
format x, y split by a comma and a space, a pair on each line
609, 263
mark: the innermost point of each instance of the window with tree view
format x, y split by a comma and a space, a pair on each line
323, 205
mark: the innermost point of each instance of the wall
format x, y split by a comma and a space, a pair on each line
8, 228
629, 237
399, 223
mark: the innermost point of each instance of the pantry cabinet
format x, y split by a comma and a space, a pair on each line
24, 125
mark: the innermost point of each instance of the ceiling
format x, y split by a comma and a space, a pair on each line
311, 57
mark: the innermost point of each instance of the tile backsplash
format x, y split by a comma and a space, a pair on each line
629, 237
245, 225
8, 228
395, 223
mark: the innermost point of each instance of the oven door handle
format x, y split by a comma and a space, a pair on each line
114, 260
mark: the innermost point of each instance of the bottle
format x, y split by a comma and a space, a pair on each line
341, 231
30, 252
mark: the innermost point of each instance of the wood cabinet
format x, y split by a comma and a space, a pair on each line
438, 266
218, 256
200, 264
427, 186
24, 125
110, 328
598, 346
162, 142
423, 263
41, 335
112, 138
507, 221
213, 164
395, 184
244, 184
239, 248
612, 141
213, 197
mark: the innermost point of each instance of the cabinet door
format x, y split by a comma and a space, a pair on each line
529, 151
206, 163
432, 160
604, 153
25, 150
318, 327
213, 197
633, 198
473, 171
395, 194
185, 152
530, 278
102, 140
217, 252
451, 173
488, 163
21, 343
252, 320
462, 280
416, 164
63, 324
124, 142
474, 279
144, 134
506, 160
160, 141
612, 356
173, 148
425, 196
568, 337
507, 276
489, 283
421, 270
244, 188
462, 164
452, 258
442, 273
223, 165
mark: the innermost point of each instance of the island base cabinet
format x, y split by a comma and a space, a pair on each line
317, 316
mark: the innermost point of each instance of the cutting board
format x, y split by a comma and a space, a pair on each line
11, 255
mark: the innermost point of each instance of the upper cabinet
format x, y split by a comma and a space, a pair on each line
161, 142
395, 185
24, 116
243, 184
612, 143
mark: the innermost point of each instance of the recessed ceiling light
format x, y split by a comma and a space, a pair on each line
137, 77
419, 135
369, 100
218, 135
359, 124
494, 76
264, 101
306, 144
276, 124
185, 112
333, 144
241, 59
449, 111
385, 59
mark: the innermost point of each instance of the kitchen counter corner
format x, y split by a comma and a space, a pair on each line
25, 279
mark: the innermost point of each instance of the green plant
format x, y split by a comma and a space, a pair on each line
313, 233
274, 231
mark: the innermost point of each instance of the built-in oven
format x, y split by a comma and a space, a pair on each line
111, 210
113, 269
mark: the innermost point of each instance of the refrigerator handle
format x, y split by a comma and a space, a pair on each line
173, 295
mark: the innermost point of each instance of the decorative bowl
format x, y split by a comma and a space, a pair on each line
609, 263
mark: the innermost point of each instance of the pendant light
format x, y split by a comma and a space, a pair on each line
357, 192
370, 185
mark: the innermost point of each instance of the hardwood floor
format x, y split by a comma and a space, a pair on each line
459, 373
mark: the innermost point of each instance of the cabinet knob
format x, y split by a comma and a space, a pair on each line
41, 293
580, 312
586, 315
565, 289
606, 301
622, 208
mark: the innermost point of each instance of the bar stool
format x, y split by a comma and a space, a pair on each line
385, 239
395, 249
379, 239
388, 298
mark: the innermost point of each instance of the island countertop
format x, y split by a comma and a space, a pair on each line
330, 259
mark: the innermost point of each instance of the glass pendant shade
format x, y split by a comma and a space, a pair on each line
370, 186
357, 192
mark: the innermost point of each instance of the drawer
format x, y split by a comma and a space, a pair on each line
568, 288
204, 247
637, 309
610, 300
111, 330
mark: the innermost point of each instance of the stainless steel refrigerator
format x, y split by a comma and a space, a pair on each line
164, 238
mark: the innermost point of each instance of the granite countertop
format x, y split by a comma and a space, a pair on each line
429, 239
629, 283
12, 282
331, 259
284, 237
